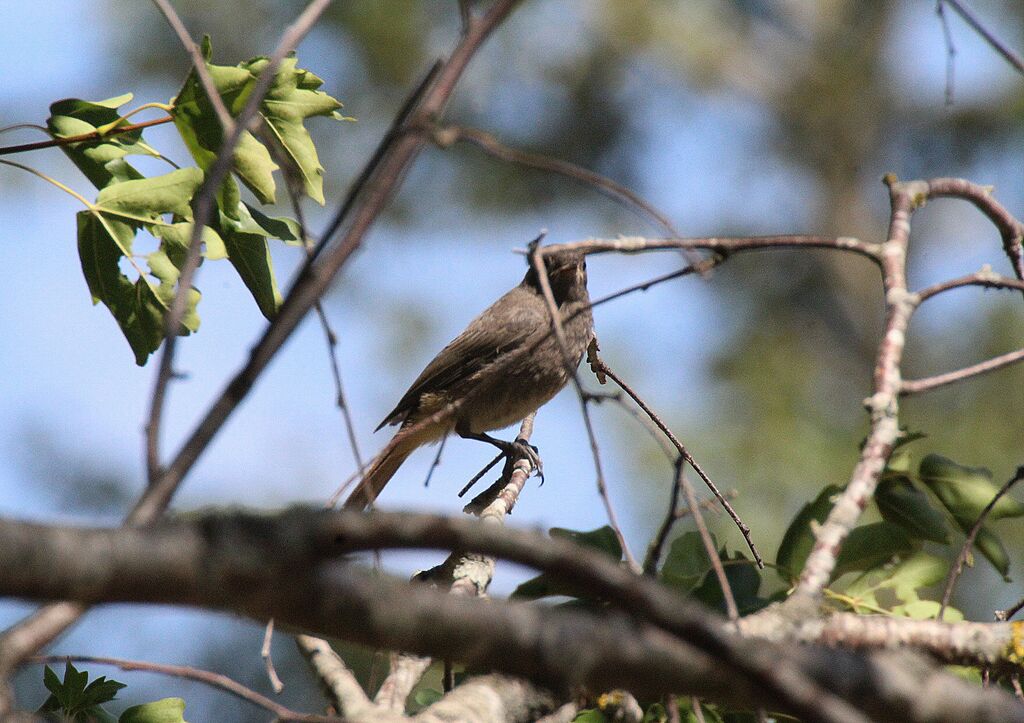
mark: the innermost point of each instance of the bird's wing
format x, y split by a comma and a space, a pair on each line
487, 338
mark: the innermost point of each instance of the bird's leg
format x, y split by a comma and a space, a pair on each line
509, 449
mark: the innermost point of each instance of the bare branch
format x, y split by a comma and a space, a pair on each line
445, 136
685, 454
883, 404
1011, 230
199, 64
918, 386
986, 278
214, 680
998, 45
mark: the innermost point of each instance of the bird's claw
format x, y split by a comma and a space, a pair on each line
520, 447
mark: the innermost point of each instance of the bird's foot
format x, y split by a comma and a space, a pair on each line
517, 449
521, 448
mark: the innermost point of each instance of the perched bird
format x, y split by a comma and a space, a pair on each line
503, 366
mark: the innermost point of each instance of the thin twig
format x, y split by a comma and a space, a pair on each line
445, 136
947, 36
202, 208
685, 454
214, 680
958, 565
986, 278
917, 386
476, 478
83, 137
1011, 57
1010, 228
671, 515
199, 65
436, 463
203, 205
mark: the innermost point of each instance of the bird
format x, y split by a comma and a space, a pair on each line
504, 365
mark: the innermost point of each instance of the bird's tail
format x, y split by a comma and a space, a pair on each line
383, 467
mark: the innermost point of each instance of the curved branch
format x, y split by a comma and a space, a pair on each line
186, 672
1011, 230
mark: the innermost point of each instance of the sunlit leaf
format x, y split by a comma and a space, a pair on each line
166, 710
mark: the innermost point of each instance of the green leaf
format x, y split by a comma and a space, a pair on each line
686, 563
77, 699
146, 199
167, 710
293, 97
798, 541
199, 127
177, 236
101, 160
590, 715
137, 307
918, 571
989, 544
965, 491
249, 253
279, 227
871, 545
167, 271
901, 503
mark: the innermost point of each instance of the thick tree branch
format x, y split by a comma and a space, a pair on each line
293, 567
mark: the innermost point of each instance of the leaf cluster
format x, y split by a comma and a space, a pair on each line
138, 290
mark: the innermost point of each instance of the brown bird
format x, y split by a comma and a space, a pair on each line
503, 366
